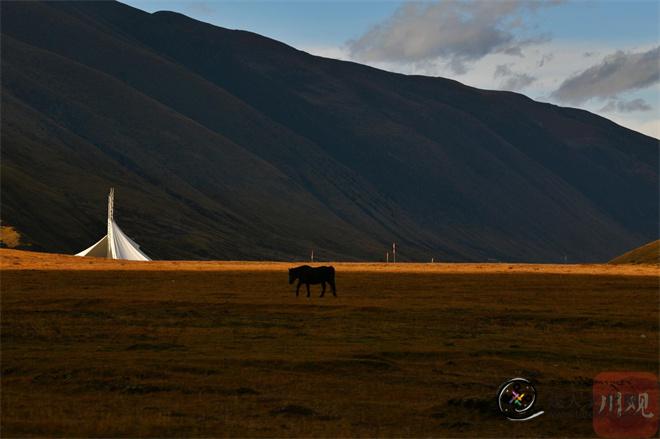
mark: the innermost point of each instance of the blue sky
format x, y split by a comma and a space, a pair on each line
550, 51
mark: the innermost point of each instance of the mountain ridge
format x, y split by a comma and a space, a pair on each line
260, 150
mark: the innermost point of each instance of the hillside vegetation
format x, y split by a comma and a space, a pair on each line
9, 237
646, 254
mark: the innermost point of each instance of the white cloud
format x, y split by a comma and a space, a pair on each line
512, 80
455, 32
547, 57
616, 73
624, 106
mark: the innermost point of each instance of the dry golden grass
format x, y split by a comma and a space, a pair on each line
9, 236
108, 348
646, 254
24, 260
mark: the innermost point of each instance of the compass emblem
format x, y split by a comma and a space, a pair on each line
515, 399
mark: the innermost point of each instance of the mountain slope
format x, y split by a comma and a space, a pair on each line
646, 254
226, 144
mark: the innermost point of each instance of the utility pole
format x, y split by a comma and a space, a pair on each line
394, 252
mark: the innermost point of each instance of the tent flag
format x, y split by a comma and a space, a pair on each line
116, 244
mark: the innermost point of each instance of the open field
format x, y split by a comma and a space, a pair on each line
108, 348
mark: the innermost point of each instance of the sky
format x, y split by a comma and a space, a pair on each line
602, 56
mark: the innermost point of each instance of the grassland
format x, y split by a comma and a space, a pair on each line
646, 254
107, 348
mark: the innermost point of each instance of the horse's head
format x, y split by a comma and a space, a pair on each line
292, 276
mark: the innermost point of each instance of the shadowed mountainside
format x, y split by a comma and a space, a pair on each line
227, 144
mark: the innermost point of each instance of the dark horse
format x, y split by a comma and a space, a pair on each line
308, 275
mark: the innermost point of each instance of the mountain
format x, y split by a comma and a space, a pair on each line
646, 254
226, 144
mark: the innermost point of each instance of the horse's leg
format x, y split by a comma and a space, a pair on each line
298, 287
323, 288
307, 289
334, 290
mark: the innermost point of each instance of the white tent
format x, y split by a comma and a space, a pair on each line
115, 245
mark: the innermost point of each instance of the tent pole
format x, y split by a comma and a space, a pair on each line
111, 213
